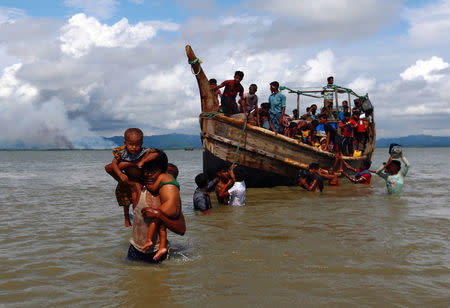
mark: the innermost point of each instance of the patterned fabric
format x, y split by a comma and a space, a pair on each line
232, 89
121, 153
123, 194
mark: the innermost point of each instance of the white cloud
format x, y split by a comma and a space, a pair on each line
102, 9
362, 85
11, 87
82, 33
429, 24
426, 69
319, 68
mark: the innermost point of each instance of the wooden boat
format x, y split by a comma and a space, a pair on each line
268, 159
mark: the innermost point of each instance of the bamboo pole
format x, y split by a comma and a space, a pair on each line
298, 106
336, 97
350, 103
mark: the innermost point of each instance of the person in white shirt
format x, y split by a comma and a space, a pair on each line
237, 191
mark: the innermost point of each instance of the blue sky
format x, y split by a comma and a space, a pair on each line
76, 68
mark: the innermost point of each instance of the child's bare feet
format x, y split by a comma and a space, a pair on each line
147, 244
159, 254
127, 222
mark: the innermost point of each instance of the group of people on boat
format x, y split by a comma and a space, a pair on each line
341, 131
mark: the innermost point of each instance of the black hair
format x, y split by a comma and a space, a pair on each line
173, 170
265, 106
275, 83
346, 114
212, 81
313, 105
397, 163
239, 174
201, 180
307, 109
328, 79
292, 125
322, 115
240, 74
254, 85
160, 162
314, 166
314, 123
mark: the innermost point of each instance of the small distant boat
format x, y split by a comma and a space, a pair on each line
189, 149
269, 159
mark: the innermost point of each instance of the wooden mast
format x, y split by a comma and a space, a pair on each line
209, 101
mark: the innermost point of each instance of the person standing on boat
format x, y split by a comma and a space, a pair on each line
328, 96
233, 87
251, 104
277, 102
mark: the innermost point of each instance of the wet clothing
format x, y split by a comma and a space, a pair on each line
173, 182
365, 174
140, 223
136, 255
309, 178
237, 194
202, 199
394, 183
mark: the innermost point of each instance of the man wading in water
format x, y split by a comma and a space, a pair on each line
145, 209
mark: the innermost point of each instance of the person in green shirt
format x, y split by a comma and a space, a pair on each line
390, 172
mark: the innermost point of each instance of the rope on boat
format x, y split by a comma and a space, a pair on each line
239, 144
196, 60
210, 114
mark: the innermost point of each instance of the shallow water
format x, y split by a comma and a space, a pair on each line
63, 242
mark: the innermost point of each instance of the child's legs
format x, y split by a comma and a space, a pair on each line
151, 231
162, 236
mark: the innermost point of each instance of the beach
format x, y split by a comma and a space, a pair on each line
63, 242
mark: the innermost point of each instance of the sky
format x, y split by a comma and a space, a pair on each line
72, 71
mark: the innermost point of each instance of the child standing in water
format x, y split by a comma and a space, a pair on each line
390, 172
131, 156
168, 188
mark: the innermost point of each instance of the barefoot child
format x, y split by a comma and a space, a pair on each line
131, 156
166, 185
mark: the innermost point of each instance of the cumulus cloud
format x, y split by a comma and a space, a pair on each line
319, 68
429, 24
102, 9
82, 33
362, 84
426, 69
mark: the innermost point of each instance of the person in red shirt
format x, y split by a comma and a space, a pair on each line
360, 132
362, 175
233, 87
347, 127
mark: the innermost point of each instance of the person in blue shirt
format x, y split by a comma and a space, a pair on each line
277, 106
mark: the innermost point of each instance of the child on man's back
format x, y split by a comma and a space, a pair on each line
168, 188
129, 158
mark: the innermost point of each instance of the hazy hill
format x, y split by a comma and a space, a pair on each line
169, 141
415, 141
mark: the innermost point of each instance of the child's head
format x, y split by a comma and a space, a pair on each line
344, 104
330, 80
314, 123
265, 106
201, 180
313, 108
295, 113
133, 139
356, 114
172, 170
213, 82
274, 85
238, 76
253, 88
322, 118
155, 167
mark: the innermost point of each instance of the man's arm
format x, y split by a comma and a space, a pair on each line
348, 166
212, 185
177, 226
354, 180
407, 165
